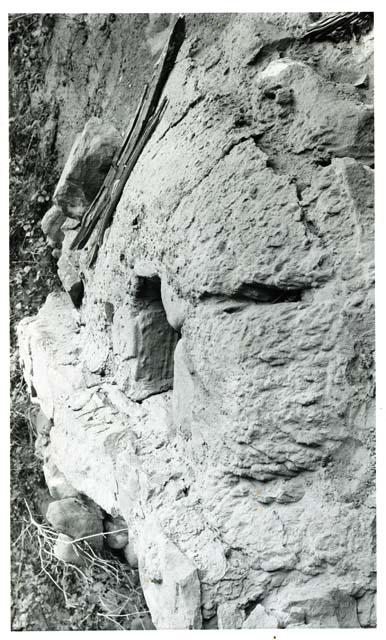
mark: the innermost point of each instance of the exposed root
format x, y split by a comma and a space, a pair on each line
112, 585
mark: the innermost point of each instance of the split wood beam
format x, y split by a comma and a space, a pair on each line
147, 116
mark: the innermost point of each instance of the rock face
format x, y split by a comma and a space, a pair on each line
215, 385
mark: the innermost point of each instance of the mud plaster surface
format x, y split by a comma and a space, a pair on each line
250, 483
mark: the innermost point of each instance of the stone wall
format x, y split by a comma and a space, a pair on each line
213, 384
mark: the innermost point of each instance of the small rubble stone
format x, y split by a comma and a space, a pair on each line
57, 484
66, 551
260, 619
175, 307
41, 443
41, 423
211, 623
131, 555
230, 616
366, 607
116, 540
169, 580
51, 226
68, 267
284, 96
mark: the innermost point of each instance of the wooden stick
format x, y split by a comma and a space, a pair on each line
331, 23
142, 127
87, 227
116, 196
133, 123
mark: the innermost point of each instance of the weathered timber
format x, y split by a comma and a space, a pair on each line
130, 130
119, 185
93, 213
331, 23
145, 120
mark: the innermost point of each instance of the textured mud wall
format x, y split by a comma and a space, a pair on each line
214, 385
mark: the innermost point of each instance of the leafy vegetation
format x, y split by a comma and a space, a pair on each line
33, 169
46, 594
